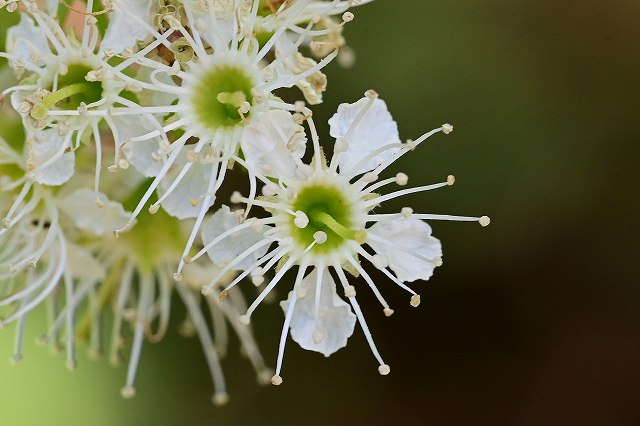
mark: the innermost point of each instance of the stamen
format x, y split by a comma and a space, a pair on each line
380, 199
277, 380
206, 341
361, 320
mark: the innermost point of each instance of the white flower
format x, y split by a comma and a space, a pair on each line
320, 221
69, 91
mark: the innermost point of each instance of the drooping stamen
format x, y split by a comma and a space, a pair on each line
392, 195
124, 289
220, 395
277, 379
445, 128
247, 224
208, 288
383, 368
369, 281
278, 276
246, 339
164, 308
53, 281
383, 217
371, 259
141, 317
211, 189
19, 339
275, 254
71, 344
7, 220
177, 146
96, 182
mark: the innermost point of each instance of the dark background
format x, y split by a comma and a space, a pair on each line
532, 320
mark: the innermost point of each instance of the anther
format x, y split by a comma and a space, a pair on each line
380, 261
153, 208
415, 300
484, 221
236, 197
244, 320
350, 291
320, 237
402, 179
128, 392
451, 179
223, 295
384, 369
177, 277
347, 17
371, 94
276, 380
447, 128
32, 264
318, 335
388, 312
123, 164
99, 203
370, 177
301, 220
219, 399
299, 106
187, 259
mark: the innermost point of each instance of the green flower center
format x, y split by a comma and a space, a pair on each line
78, 88
328, 211
73, 89
220, 97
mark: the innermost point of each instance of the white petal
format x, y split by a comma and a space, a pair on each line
83, 265
143, 155
26, 41
224, 24
376, 129
229, 248
274, 145
410, 234
186, 199
331, 326
81, 206
42, 146
123, 31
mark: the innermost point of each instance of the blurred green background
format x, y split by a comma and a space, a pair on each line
534, 319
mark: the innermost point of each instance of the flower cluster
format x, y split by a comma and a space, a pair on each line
132, 112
